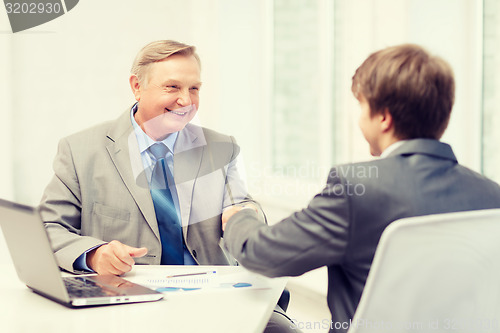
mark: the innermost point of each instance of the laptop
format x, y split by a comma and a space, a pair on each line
36, 266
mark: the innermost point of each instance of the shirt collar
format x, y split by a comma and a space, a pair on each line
392, 148
144, 140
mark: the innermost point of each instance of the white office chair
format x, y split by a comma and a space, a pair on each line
436, 273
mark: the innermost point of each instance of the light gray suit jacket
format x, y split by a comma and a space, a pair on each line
100, 193
342, 225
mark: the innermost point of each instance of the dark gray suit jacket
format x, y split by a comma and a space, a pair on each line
342, 225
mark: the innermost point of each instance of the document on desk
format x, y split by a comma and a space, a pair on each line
203, 280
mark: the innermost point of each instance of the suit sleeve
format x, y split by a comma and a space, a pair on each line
308, 239
60, 209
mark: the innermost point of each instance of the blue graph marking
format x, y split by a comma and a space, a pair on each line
242, 285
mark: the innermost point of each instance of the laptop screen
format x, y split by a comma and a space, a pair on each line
30, 249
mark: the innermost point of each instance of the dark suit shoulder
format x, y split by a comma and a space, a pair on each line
359, 170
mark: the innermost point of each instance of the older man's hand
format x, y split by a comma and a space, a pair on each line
114, 258
228, 212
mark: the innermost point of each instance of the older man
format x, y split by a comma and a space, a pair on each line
106, 209
148, 187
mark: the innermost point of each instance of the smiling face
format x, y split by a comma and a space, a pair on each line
168, 98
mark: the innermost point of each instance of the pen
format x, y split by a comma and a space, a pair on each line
190, 274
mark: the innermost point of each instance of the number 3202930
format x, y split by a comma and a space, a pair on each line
33, 8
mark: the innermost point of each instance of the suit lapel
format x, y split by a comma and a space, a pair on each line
188, 154
124, 152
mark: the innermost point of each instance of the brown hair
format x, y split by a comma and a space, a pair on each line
159, 51
416, 88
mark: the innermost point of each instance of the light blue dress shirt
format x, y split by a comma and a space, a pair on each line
144, 142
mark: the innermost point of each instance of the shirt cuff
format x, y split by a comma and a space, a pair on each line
80, 264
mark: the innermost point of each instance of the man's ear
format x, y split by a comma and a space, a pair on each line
386, 121
135, 86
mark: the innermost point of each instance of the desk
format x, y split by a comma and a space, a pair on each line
226, 310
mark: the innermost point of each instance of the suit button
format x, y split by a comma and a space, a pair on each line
194, 253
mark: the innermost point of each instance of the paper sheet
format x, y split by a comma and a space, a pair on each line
161, 281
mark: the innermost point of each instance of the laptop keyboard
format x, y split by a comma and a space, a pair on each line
81, 287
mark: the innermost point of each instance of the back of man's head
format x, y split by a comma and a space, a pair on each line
416, 88
159, 51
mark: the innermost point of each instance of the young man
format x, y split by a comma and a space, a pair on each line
406, 96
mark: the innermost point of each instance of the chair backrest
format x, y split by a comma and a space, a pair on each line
435, 273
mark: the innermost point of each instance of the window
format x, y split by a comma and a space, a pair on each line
302, 78
491, 88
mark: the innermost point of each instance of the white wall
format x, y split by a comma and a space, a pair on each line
6, 149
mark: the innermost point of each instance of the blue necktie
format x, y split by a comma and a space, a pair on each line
166, 214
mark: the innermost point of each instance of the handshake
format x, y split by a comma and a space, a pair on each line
230, 211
